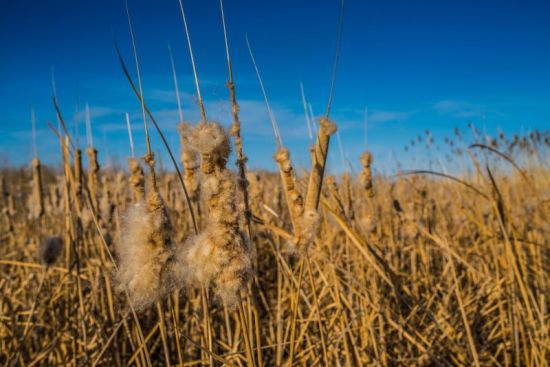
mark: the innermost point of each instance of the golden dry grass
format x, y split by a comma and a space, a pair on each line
423, 271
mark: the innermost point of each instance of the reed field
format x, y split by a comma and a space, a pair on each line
208, 263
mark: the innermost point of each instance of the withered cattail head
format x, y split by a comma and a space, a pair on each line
366, 174
50, 250
219, 255
366, 159
190, 161
143, 250
212, 142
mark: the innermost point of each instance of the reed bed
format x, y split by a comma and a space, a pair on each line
108, 267
410, 269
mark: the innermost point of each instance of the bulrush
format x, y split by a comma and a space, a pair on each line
93, 171
293, 196
190, 161
366, 175
218, 255
143, 250
37, 203
304, 222
137, 181
78, 173
326, 129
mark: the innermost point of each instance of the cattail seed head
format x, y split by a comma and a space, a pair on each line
326, 129
36, 204
144, 248
365, 176
190, 161
212, 142
219, 255
294, 199
137, 180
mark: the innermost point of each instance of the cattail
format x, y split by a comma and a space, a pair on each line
50, 250
93, 170
256, 189
348, 195
334, 192
143, 249
294, 199
219, 255
137, 181
78, 172
37, 198
366, 175
190, 161
4, 193
326, 129
106, 203
6, 203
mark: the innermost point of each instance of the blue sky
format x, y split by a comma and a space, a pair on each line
416, 65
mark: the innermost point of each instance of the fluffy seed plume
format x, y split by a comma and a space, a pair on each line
143, 250
219, 255
50, 250
190, 161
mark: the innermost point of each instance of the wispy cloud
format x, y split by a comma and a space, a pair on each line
253, 115
379, 116
460, 109
97, 112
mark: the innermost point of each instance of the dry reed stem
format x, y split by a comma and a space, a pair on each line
77, 161
93, 170
37, 195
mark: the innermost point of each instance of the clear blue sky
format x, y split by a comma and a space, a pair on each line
416, 64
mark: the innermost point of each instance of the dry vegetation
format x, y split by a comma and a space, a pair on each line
215, 267
416, 269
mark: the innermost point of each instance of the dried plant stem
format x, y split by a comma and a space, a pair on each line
93, 170
199, 97
295, 307
235, 131
28, 323
246, 336
317, 307
242, 182
38, 199
164, 338
77, 162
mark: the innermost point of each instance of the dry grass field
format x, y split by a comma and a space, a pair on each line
414, 269
211, 264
